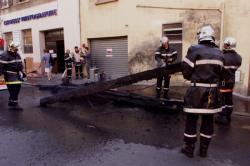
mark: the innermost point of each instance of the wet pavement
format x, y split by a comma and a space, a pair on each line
94, 131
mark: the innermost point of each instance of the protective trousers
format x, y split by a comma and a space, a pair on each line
14, 90
227, 104
69, 70
206, 129
166, 84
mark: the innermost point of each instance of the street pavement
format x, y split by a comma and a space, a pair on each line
94, 131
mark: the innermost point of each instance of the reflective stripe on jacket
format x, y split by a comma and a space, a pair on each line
165, 56
232, 63
203, 66
10, 66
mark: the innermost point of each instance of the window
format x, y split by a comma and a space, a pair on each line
98, 2
174, 34
27, 41
6, 3
8, 38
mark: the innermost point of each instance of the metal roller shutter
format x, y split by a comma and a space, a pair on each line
111, 56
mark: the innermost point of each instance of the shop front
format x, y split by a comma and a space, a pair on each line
53, 25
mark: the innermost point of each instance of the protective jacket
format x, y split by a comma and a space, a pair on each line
68, 59
165, 56
11, 66
203, 66
232, 63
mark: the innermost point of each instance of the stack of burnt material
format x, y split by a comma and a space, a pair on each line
99, 87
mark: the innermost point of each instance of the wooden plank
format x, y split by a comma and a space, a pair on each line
106, 85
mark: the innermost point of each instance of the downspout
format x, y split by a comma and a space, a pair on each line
79, 16
222, 24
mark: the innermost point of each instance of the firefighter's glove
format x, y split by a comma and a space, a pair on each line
22, 76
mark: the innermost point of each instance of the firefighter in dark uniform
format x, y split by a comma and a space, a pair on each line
164, 56
68, 59
232, 63
12, 68
203, 66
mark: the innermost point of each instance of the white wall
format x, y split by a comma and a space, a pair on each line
67, 18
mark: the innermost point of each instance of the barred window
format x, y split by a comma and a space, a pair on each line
8, 38
174, 33
6, 3
27, 41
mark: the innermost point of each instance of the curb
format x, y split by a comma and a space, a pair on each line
242, 97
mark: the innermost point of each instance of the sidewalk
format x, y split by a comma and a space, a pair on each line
56, 80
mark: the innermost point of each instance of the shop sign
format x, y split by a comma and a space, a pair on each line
109, 52
31, 17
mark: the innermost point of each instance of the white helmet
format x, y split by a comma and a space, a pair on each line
164, 39
230, 42
13, 47
206, 33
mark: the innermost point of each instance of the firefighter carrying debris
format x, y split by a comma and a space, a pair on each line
164, 56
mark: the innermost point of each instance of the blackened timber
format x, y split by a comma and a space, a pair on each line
143, 101
106, 85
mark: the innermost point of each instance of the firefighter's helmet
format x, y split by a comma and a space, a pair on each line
13, 47
206, 33
164, 39
230, 42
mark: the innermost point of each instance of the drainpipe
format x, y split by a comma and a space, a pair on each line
79, 16
222, 24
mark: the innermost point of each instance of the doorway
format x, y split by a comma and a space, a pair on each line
60, 56
54, 42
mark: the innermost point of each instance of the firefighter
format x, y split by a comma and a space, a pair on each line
232, 63
68, 59
164, 56
12, 68
203, 66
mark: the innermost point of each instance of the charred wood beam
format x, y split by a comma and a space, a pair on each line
143, 101
106, 85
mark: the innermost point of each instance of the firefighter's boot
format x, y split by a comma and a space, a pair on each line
222, 120
158, 93
14, 106
165, 95
188, 150
203, 150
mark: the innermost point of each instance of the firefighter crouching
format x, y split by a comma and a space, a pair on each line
203, 66
232, 63
68, 59
164, 56
12, 68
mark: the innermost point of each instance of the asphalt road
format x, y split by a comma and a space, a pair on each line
97, 132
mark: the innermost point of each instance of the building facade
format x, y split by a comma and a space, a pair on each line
122, 34
39, 24
130, 30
